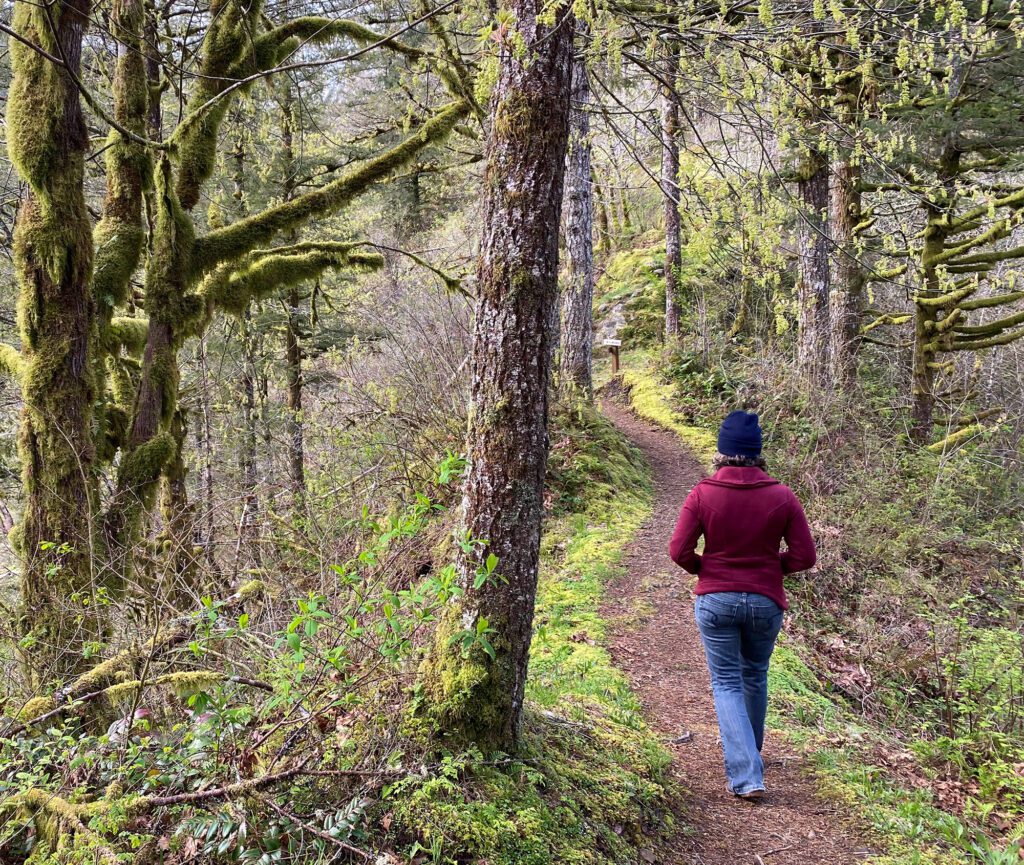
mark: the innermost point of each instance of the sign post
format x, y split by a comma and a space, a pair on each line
613, 350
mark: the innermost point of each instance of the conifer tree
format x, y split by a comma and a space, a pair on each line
476, 676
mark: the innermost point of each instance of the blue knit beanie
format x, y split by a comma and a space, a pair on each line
740, 435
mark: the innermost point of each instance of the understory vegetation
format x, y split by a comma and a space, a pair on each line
314, 701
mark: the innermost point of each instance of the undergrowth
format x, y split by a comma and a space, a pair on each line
183, 764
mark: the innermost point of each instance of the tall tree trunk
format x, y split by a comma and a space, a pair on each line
151, 39
53, 252
293, 365
813, 276
204, 435
848, 280
293, 329
929, 331
927, 315
249, 520
670, 193
626, 225
476, 676
578, 297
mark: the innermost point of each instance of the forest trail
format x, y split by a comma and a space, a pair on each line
654, 639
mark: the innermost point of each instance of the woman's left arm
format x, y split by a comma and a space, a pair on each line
801, 553
683, 546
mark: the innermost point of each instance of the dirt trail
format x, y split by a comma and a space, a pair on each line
655, 641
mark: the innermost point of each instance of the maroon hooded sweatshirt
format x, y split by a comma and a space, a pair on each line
744, 514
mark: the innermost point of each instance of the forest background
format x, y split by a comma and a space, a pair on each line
265, 264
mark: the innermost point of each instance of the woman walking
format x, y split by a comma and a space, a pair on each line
744, 515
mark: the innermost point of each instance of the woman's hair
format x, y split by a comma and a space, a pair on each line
743, 462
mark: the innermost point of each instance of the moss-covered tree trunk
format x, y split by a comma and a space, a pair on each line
813, 275
53, 251
476, 676
178, 563
928, 310
670, 192
848, 282
578, 297
933, 317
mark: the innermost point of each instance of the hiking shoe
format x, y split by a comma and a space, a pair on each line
749, 796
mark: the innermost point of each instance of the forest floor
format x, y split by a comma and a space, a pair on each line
654, 639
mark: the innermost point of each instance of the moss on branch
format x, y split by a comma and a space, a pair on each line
995, 300
952, 298
127, 333
991, 328
231, 289
956, 438
232, 242
966, 344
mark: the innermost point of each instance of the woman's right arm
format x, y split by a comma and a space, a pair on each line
683, 546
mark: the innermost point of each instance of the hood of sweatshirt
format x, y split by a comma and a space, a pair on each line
737, 476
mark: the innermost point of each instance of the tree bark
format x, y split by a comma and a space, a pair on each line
53, 253
476, 676
848, 280
813, 274
178, 584
578, 297
926, 337
930, 334
249, 521
204, 434
293, 332
670, 193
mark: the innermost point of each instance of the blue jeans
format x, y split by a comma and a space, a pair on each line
739, 631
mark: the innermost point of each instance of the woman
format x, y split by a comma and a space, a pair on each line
743, 514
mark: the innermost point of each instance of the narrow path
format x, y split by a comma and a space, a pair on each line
655, 641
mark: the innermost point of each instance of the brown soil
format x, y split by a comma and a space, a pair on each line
655, 641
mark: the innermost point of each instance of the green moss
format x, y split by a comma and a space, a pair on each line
466, 695
650, 398
143, 465
47, 138
230, 243
118, 247
633, 283
10, 361
35, 707
34, 103
232, 288
251, 589
129, 334
183, 683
